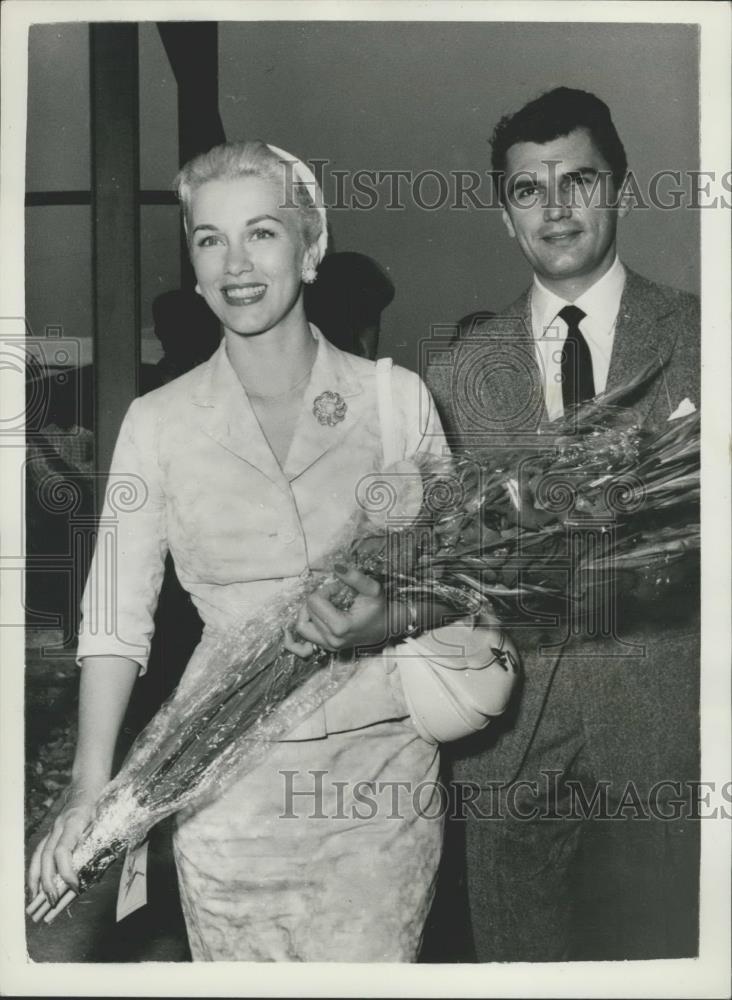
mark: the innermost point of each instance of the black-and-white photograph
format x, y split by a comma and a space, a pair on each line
366, 555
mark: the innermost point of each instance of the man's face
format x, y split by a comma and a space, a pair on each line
558, 200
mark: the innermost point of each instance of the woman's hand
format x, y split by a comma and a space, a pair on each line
320, 623
52, 856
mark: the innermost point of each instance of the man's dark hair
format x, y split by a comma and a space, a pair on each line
557, 113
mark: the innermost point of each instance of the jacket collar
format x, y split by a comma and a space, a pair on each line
519, 318
521, 309
229, 419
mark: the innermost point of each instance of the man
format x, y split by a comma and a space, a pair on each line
549, 880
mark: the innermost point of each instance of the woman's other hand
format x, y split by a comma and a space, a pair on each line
52, 856
321, 623
104, 692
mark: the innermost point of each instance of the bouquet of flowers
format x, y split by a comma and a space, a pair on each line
479, 530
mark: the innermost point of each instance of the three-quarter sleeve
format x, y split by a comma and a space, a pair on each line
121, 592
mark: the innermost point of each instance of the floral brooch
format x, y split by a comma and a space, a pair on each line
329, 408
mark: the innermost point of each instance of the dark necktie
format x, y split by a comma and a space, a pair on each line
578, 382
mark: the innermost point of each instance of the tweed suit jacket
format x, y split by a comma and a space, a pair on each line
488, 389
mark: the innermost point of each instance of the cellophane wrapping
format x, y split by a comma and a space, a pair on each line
475, 531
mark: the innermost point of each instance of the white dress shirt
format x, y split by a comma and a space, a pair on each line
601, 303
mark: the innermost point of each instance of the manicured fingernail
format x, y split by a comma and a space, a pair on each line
341, 568
35, 903
41, 911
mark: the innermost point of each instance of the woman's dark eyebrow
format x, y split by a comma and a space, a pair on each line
250, 222
261, 218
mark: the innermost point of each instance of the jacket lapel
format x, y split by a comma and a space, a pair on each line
333, 373
227, 417
640, 340
520, 383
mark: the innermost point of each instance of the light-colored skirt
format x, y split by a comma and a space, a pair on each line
327, 851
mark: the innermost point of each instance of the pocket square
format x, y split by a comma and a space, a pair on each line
684, 408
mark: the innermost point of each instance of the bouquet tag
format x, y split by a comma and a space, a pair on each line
133, 881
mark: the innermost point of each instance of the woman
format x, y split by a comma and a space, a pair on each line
246, 470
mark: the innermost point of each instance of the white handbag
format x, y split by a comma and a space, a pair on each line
451, 694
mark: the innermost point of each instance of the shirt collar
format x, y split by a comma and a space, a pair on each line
601, 302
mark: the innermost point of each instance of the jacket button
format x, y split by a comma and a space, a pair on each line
288, 537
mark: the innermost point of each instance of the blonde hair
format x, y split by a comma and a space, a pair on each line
232, 160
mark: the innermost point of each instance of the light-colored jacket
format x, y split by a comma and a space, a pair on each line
192, 473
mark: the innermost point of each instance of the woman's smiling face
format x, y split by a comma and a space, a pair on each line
247, 251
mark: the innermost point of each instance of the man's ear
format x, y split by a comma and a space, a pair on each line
507, 222
624, 199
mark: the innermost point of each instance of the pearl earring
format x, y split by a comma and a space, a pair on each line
309, 274
198, 289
